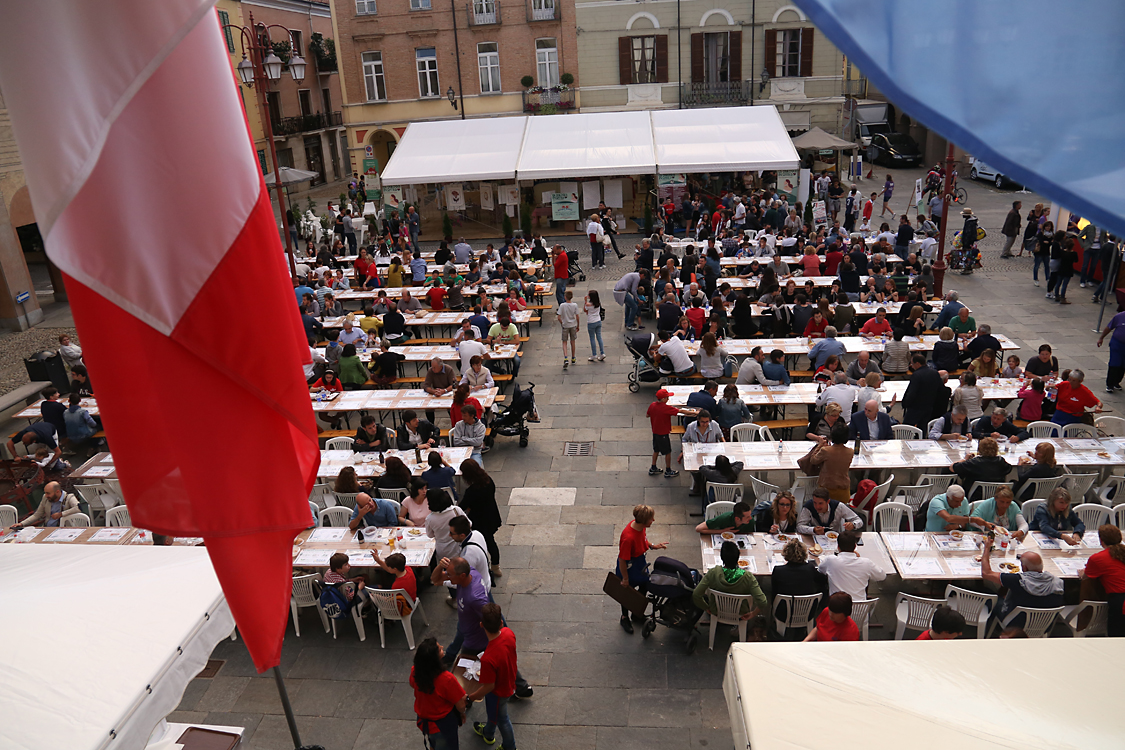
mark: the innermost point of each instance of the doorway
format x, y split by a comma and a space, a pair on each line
314, 158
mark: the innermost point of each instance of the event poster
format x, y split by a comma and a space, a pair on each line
392, 195
455, 197
591, 194
787, 185
819, 214
612, 193
564, 207
671, 186
371, 167
509, 195
486, 203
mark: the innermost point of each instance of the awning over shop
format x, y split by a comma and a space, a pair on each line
587, 145
457, 151
601, 144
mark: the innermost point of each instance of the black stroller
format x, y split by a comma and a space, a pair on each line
644, 371
670, 585
511, 421
574, 270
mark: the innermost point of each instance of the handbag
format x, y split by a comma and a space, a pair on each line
805, 464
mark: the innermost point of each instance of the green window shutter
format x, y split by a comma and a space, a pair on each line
224, 20
262, 160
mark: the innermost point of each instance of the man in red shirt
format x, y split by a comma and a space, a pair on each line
877, 326
835, 623
946, 625
562, 272
436, 295
497, 678
660, 415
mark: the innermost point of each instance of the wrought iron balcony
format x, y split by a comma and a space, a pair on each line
715, 94
484, 13
307, 123
548, 101
544, 13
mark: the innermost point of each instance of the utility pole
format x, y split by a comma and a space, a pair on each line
939, 266
679, 58
457, 55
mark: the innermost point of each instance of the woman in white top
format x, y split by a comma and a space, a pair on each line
71, 353
593, 309
437, 524
870, 391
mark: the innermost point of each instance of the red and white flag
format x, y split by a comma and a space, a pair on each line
147, 191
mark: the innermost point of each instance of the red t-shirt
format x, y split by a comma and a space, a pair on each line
408, 583
438, 704
816, 329
698, 318
498, 664
455, 410
1110, 571
811, 264
335, 385
874, 328
868, 207
716, 220
832, 262
924, 637
634, 543
826, 630
661, 415
562, 266
436, 295
1074, 401
361, 267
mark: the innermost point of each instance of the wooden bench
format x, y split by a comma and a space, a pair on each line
778, 426
540, 307
487, 432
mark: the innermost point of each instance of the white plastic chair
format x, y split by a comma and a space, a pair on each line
987, 489
803, 488
339, 444
99, 497
940, 482
1113, 426
974, 606
1041, 487
799, 611
873, 500
387, 605
724, 492
336, 516
397, 506
1029, 507
395, 493
1038, 623
1113, 485
322, 496
118, 516
746, 433
914, 496
975, 504
345, 499
75, 519
903, 432
728, 610
1093, 515
763, 491
334, 616
1077, 484
861, 615
1099, 621
1079, 430
304, 594
1043, 429
930, 425
716, 508
1119, 516
914, 613
888, 517
8, 516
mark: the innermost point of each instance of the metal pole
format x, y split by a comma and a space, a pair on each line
939, 266
753, 42
1107, 286
679, 58
457, 54
289, 718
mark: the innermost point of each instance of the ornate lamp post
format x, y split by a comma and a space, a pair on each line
262, 67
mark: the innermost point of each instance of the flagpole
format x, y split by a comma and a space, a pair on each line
289, 718
939, 266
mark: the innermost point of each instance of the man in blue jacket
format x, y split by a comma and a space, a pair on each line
871, 424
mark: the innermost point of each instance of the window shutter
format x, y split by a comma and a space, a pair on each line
662, 59
625, 59
224, 20
698, 75
735, 61
770, 60
806, 52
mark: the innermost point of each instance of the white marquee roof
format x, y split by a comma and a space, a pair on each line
592, 145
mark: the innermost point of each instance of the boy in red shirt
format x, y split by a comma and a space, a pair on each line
403, 578
436, 296
869, 208
946, 625
497, 678
835, 623
660, 415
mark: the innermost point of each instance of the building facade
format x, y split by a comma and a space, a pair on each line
703, 53
403, 61
19, 236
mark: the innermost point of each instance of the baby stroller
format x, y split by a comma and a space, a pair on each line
670, 585
644, 371
573, 269
511, 421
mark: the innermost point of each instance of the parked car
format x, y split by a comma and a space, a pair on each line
981, 171
894, 150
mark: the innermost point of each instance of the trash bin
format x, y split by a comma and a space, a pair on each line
48, 366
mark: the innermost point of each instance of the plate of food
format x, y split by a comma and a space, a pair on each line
957, 534
743, 563
783, 537
1103, 454
415, 532
977, 558
815, 550
729, 536
1010, 567
832, 535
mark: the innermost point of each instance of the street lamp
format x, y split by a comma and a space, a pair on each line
262, 66
765, 76
451, 95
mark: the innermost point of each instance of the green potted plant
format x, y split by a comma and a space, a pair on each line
808, 212
506, 227
527, 82
648, 219
446, 227
566, 79
525, 220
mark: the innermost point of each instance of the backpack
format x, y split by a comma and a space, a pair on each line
334, 601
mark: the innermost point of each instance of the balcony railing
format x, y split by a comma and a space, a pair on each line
307, 123
545, 13
548, 102
715, 94
484, 14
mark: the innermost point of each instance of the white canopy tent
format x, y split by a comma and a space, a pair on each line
587, 145
101, 640
456, 151
964, 694
596, 144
